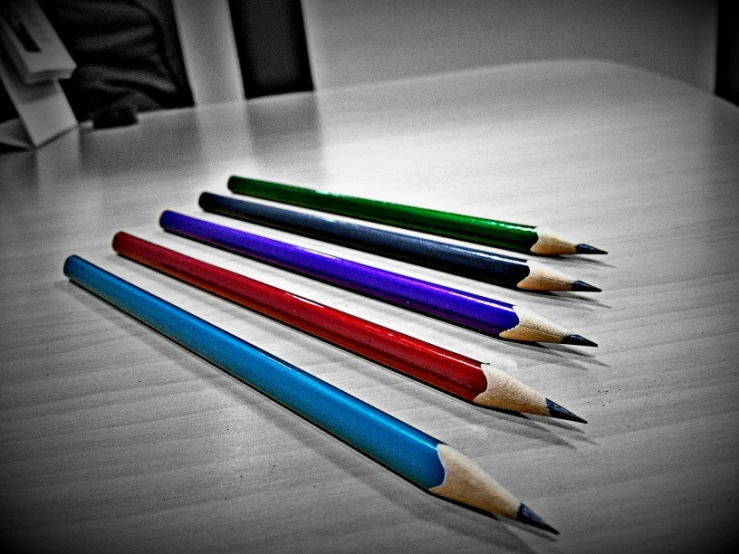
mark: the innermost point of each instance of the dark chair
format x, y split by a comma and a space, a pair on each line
727, 52
271, 45
130, 52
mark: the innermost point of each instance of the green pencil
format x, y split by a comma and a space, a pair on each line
501, 234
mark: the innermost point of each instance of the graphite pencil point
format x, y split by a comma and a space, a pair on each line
577, 340
582, 286
587, 249
525, 515
555, 410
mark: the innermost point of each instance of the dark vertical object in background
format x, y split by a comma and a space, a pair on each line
727, 55
7, 111
270, 41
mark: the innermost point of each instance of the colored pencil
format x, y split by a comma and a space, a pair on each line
420, 458
449, 371
498, 269
502, 234
493, 317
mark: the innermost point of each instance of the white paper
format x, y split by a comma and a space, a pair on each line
42, 107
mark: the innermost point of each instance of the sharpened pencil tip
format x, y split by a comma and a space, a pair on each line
555, 410
577, 340
525, 515
587, 249
582, 286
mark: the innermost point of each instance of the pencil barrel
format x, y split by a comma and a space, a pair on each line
401, 447
436, 366
477, 312
477, 264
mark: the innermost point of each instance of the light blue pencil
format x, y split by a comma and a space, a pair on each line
420, 458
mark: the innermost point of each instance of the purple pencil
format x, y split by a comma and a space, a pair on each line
487, 315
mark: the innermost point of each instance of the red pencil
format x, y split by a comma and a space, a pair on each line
446, 370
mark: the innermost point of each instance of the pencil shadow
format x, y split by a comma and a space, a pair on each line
530, 426
538, 429
458, 519
584, 439
396, 489
468, 525
579, 260
563, 353
572, 300
130, 326
574, 432
564, 295
562, 424
575, 298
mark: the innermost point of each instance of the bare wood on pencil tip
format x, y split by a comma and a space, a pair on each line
543, 278
552, 243
506, 393
467, 483
534, 328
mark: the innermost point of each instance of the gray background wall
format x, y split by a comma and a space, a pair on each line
357, 41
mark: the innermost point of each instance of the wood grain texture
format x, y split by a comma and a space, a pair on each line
114, 438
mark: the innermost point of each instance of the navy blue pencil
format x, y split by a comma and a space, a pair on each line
507, 271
